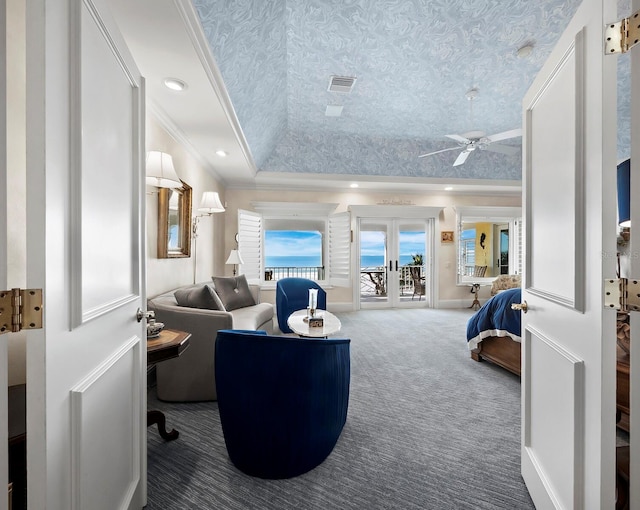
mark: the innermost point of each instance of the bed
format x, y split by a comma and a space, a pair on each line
493, 332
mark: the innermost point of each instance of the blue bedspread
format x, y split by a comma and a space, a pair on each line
495, 318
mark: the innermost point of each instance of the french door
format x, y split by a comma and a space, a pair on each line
395, 262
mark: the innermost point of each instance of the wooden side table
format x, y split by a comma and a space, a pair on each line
475, 287
170, 344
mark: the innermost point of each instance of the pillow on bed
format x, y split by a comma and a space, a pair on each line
233, 291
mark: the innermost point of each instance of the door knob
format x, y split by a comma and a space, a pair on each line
145, 315
520, 306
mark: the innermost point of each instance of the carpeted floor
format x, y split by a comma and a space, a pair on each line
428, 428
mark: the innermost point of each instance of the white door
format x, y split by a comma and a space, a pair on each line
86, 424
634, 269
568, 378
4, 471
396, 258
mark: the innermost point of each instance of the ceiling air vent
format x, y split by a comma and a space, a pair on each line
341, 84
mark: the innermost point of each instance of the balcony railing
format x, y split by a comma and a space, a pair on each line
310, 272
373, 280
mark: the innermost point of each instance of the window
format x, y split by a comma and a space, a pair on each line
293, 248
293, 239
490, 238
468, 250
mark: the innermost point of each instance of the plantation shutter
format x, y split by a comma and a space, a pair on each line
516, 248
340, 249
461, 251
250, 244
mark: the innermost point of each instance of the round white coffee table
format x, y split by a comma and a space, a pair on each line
299, 325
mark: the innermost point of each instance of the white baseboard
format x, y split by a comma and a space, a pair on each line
340, 307
458, 303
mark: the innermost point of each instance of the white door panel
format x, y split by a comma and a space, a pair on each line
86, 370
634, 269
4, 470
568, 380
552, 193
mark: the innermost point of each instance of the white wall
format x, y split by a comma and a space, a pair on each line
446, 266
167, 274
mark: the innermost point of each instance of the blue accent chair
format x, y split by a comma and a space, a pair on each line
293, 294
282, 400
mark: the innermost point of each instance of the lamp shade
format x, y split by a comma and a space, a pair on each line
210, 203
161, 172
234, 258
624, 195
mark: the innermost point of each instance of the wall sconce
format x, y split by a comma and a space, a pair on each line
624, 194
160, 171
234, 258
209, 205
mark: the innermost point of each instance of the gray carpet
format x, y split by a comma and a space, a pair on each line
428, 428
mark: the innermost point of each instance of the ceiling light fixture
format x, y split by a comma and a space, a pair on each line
525, 51
175, 84
448, 188
221, 153
354, 185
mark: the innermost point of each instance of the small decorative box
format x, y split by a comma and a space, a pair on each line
316, 322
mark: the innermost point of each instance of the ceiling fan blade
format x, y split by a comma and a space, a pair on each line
505, 135
438, 152
502, 149
458, 138
461, 158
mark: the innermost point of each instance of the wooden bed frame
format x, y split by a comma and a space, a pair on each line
500, 350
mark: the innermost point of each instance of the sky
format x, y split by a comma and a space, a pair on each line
292, 243
373, 243
306, 244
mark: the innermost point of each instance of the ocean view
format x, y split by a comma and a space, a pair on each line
316, 261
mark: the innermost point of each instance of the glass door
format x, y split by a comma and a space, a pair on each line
395, 263
375, 260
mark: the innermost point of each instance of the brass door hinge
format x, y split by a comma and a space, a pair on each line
623, 35
20, 309
622, 294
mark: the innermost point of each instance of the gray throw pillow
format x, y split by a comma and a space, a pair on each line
233, 291
199, 296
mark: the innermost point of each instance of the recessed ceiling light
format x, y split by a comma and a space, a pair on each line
221, 153
448, 188
354, 185
175, 84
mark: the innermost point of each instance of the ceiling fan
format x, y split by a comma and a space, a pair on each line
473, 140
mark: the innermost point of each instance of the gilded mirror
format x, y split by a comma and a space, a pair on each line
174, 222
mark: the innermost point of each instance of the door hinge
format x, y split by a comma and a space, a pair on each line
20, 309
622, 294
623, 35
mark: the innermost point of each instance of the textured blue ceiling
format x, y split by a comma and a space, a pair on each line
414, 61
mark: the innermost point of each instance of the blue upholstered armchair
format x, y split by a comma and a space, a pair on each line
282, 400
293, 294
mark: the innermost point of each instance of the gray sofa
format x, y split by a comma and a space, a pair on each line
191, 377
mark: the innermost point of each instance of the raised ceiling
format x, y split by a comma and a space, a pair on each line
414, 61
